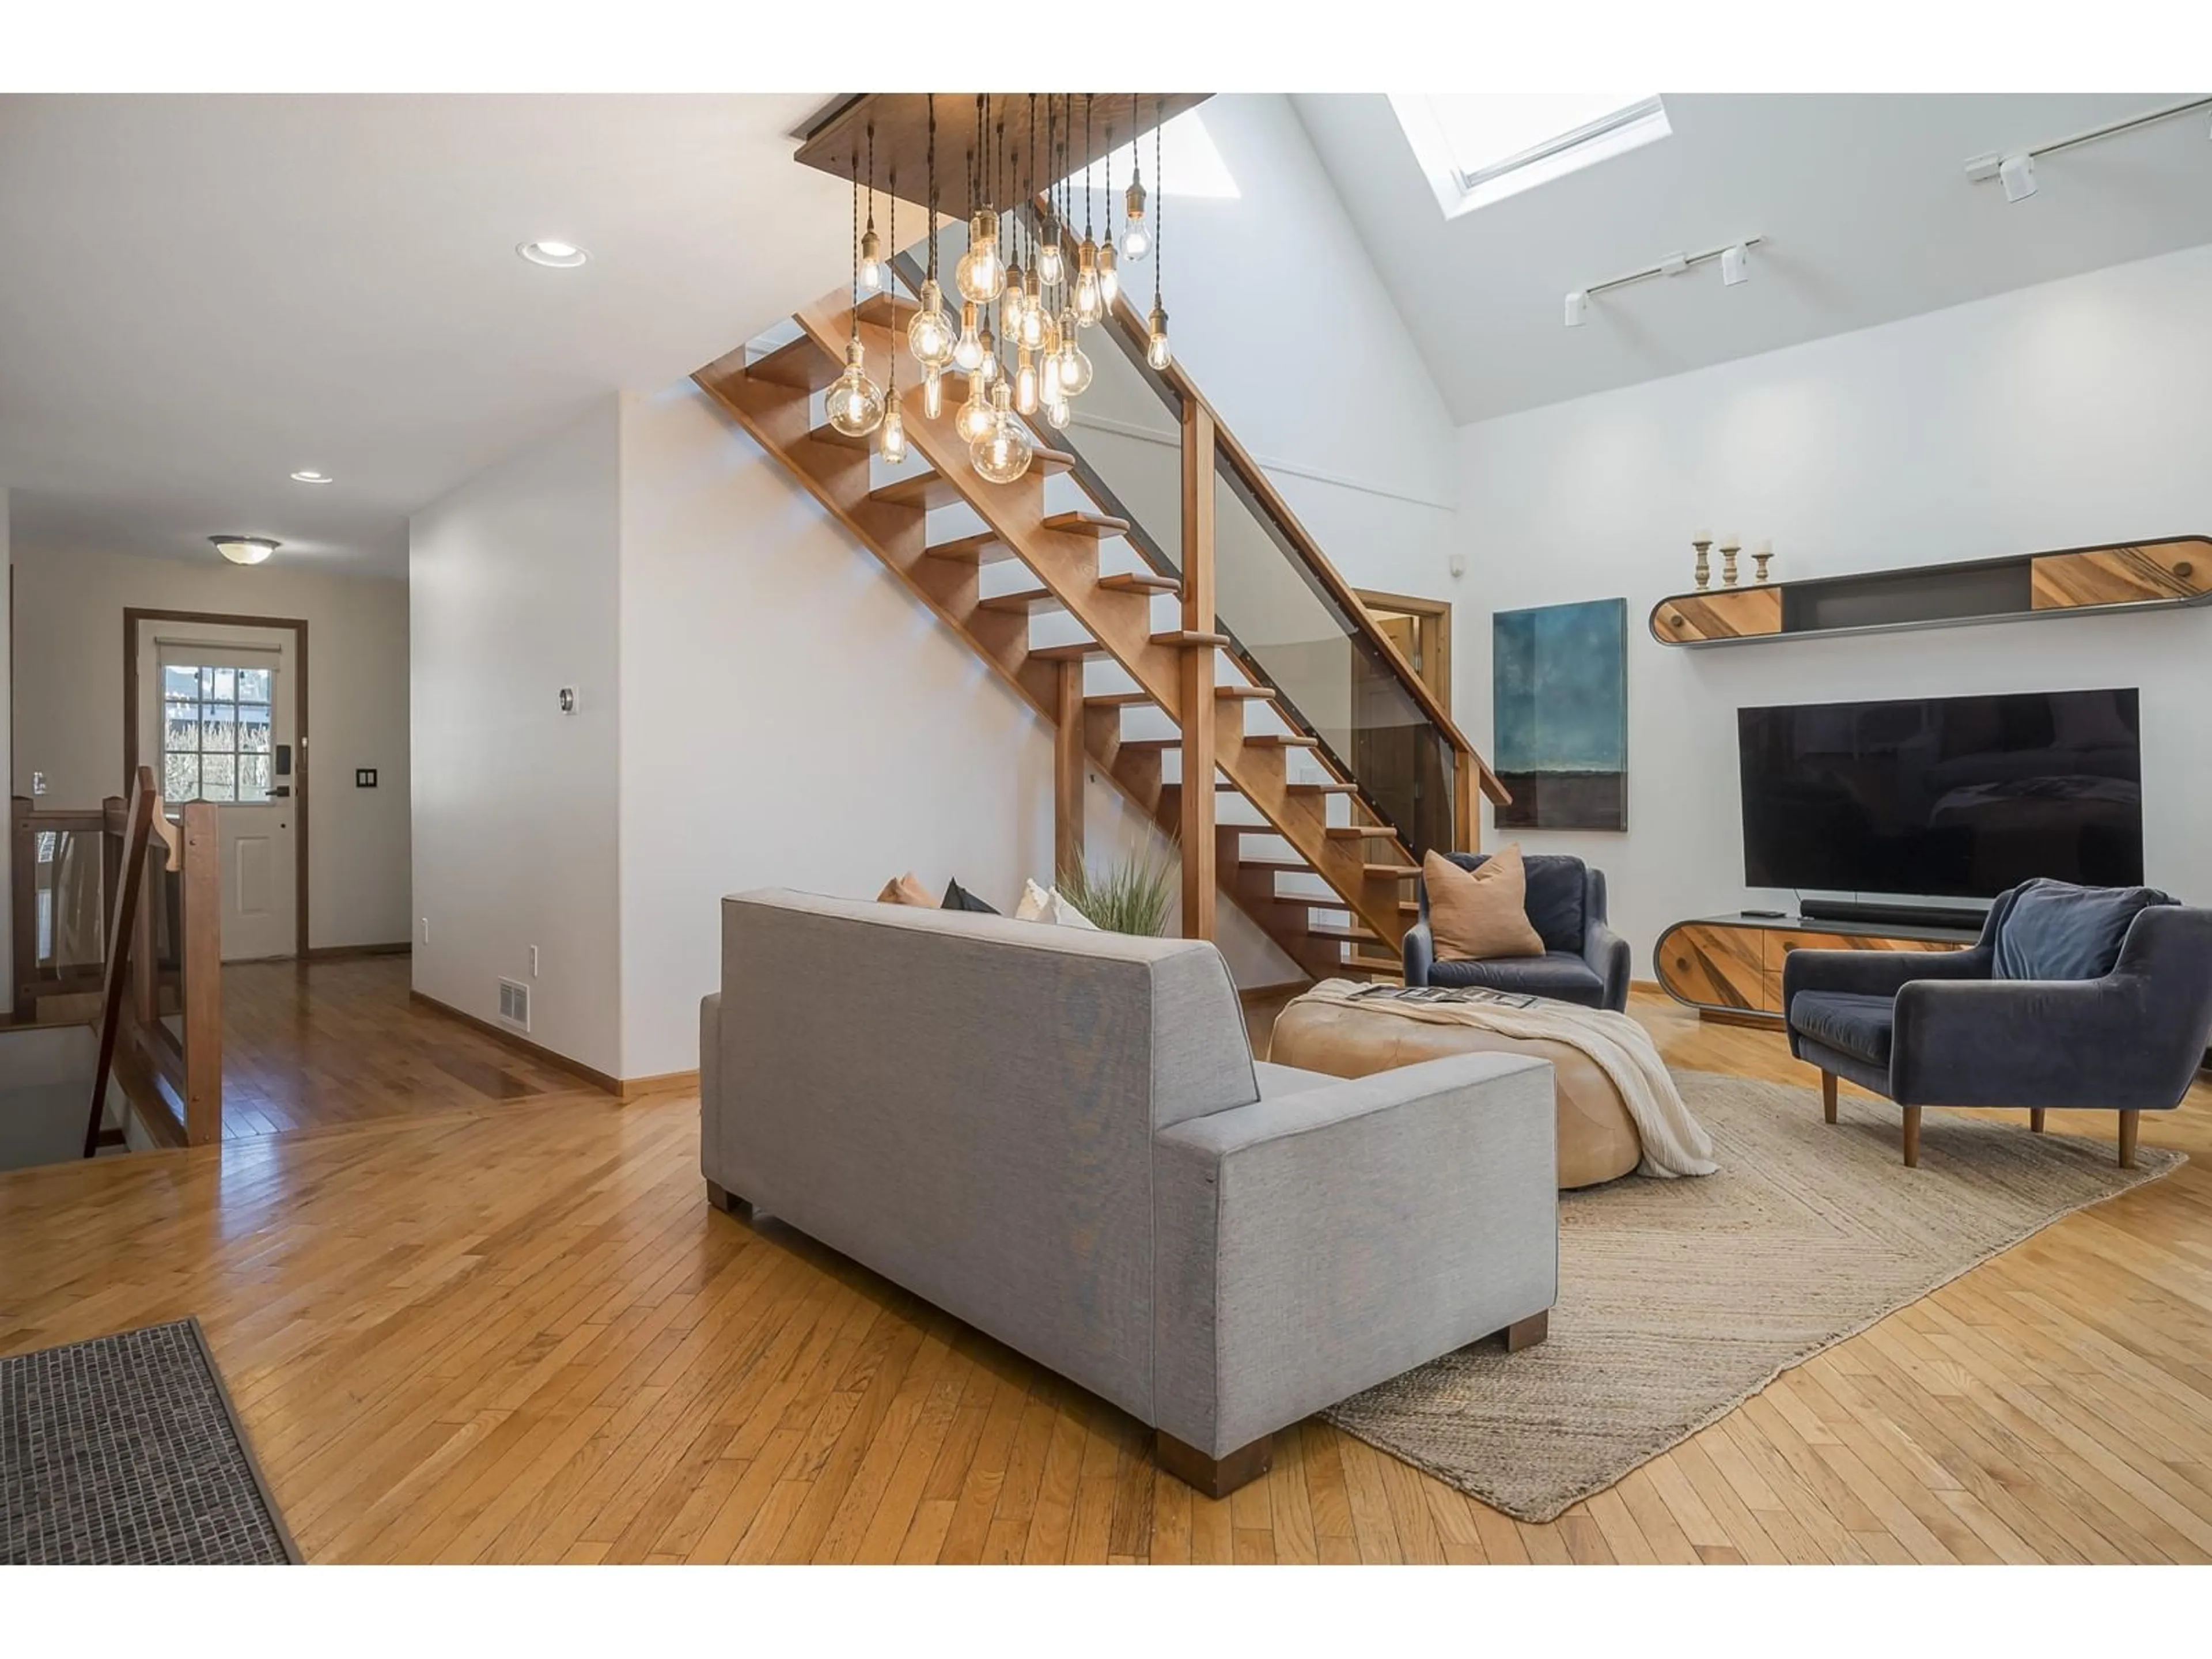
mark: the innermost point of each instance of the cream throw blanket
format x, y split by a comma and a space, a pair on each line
1674, 1143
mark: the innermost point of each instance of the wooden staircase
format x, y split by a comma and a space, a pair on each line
1110, 660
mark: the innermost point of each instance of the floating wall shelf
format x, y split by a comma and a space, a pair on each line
2072, 581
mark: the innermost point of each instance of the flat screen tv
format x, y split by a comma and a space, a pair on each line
1943, 797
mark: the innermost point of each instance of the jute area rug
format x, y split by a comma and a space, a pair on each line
1680, 1299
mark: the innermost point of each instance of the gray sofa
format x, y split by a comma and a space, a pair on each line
1061, 1137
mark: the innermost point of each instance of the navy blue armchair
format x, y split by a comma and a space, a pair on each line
2073, 998
1583, 961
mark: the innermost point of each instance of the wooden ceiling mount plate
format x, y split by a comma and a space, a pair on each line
901, 120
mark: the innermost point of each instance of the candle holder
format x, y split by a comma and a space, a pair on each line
1759, 556
1704, 564
1730, 549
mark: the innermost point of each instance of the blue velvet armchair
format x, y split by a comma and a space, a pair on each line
2073, 998
1583, 961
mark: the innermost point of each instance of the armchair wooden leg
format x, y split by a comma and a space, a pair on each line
1912, 1136
2129, 1123
1217, 1477
1828, 1096
1526, 1332
724, 1200
2035, 1120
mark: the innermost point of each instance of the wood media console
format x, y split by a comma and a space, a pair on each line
1729, 968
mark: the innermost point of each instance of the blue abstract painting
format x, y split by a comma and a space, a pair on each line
1560, 705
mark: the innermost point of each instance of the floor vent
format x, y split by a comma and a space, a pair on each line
514, 1004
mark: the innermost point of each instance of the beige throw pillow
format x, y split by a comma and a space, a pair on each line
1477, 914
908, 890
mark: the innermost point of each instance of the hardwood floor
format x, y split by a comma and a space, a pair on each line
461, 1326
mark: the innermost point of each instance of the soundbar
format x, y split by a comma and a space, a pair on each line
1959, 917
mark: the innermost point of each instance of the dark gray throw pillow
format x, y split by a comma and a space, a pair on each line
2056, 930
958, 897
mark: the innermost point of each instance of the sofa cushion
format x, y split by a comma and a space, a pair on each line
1562, 975
1859, 1026
1555, 887
2056, 930
1476, 915
958, 897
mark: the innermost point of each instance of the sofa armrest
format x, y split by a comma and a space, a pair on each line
1606, 952
1877, 973
1313, 1245
1419, 951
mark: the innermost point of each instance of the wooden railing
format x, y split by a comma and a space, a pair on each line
164, 926
64, 886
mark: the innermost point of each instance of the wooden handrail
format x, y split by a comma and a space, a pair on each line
175, 1083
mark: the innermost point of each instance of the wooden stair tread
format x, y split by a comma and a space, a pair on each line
983, 547
1075, 651
1049, 462
926, 488
1362, 832
1243, 693
1119, 699
1174, 742
1390, 871
1280, 740
1085, 524
826, 434
1375, 964
1322, 788
1022, 602
1288, 864
1189, 636
1139, 582
888, 310
1354, 934
799, 364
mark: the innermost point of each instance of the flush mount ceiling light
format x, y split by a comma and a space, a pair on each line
308, 475
2015, 169
1735, 258
245, 549
562, 256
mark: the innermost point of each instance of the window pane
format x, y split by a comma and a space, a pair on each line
253, 729
180, 682
253, 684
218, 775
207, 682
180, 777
226, 684
253, 777
218, 728
180, 725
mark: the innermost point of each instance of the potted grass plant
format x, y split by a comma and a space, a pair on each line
1134, 894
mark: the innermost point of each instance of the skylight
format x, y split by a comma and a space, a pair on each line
1480, 148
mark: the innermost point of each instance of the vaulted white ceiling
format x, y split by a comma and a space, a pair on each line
1864, 200
200, 295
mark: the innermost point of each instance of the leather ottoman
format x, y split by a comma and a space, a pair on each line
1597, 1139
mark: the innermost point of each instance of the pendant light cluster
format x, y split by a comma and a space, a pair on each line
1027, 286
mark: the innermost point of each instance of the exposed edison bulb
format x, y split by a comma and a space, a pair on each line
933, 395
1109, 279
1051, 267
1025, 383
1012, 303
979, 276
1033, 323
1075, 368
1085, 299
1156, 345
975, 419
989, 369
854, 405
968, 350
891, 437
929, 336
872, 261
1004, 454
1136, 237
1056, 415
1050, 391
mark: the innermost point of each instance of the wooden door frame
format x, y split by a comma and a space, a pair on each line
1434, 619
132, 617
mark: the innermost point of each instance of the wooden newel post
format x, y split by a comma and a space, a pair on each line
200, 958
1466, 823
1199, 876
1069, 761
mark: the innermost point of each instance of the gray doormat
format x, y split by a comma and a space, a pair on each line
125, 1448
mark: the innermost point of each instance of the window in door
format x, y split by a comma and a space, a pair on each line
216, 732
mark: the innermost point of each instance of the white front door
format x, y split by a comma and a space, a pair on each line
222, 730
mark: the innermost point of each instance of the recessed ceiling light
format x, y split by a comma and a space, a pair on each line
560, 255
308, 475
244, 550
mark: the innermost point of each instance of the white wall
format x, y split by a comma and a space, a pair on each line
513, 595
2053, 416
792, 716
69, 712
